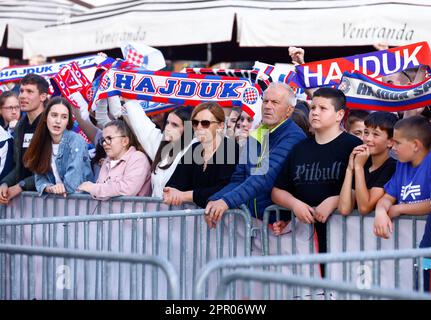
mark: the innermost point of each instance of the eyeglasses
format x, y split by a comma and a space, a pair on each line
204, 123
108, 139
11, 108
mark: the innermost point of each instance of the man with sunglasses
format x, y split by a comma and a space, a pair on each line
262, 158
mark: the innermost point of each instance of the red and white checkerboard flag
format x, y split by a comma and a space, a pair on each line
143, 56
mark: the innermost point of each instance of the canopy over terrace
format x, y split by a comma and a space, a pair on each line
18, 17
248, 23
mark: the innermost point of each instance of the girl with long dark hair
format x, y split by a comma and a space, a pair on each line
58, 156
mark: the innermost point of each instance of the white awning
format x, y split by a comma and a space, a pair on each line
21, 16
260, 24
153, 23
335, 23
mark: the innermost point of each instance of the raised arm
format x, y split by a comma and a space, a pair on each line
149, 136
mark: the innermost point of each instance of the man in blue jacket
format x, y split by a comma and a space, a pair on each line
262, 159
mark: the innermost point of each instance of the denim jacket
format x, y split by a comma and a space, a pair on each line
73, 164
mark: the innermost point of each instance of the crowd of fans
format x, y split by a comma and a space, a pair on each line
310, 157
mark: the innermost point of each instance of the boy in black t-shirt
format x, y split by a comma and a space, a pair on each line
312, 176
370, 165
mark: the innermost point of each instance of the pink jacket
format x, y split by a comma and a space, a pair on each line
131, 176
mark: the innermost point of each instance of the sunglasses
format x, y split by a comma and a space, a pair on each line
204, 123
108, 139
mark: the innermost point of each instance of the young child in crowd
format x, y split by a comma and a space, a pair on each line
313, 174
355, 122
409, 190
370, 165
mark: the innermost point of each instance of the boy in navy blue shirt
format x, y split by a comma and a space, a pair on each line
409, 190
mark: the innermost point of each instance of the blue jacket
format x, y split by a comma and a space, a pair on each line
260, 163
73, 164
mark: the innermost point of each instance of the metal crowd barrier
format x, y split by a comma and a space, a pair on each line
57, 278
79, 222
320, 284
352, 233
364, 285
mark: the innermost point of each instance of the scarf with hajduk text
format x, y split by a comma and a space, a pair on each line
251, 75
14, 74
363, 92
179, 88
374, 64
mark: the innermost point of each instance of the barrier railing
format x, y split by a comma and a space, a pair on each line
349, 234
57, 278
320, 284
179, 235
137, 225
246, 266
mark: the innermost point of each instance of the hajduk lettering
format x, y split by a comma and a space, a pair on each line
374, 64
179, 88
363, 92
13, 74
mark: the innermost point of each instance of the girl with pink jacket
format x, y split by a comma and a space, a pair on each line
126, 171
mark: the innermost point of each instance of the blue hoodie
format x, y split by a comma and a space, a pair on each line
254, 176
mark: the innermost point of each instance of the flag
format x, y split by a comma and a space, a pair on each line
143, 56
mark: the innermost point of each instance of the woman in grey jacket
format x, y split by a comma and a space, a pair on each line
58, 156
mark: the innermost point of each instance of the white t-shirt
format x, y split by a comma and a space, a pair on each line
113, 163
53, 165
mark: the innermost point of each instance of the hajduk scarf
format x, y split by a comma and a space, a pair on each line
363, 92
72, 83
374, 64
251, 75
14, 74
179, 88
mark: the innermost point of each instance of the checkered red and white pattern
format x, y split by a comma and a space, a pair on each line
134, 57
250, 96
105, 83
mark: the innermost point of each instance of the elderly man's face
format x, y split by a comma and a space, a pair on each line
275, 108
